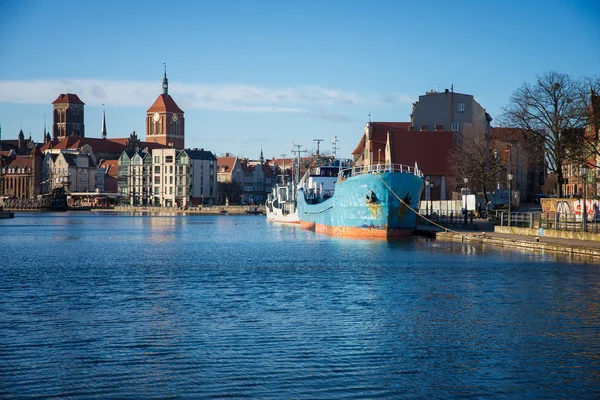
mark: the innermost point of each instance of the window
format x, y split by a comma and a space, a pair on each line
156, 190
170, 189
157, 159
439, 127
157, 180
171, 179
461, 107
157, 169
170, 169
168, 159
424, 127
455, 126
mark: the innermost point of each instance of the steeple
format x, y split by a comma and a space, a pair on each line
165, 83
262, 158
103, 133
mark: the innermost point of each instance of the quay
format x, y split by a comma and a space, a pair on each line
485, 233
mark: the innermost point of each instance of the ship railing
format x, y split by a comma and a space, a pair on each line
380, 169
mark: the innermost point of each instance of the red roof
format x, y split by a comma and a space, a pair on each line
227, 162
165, 102
115, 145
429, 149
112, 167
68, 98
380, 130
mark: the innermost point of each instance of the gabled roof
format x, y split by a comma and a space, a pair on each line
267, 171
70, 98
227, 162
165, 102
379, 133
112, 167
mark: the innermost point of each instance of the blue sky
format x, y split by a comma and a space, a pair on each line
269, 73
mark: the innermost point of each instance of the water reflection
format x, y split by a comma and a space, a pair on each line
215, 306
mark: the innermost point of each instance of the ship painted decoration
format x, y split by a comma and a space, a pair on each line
374, 201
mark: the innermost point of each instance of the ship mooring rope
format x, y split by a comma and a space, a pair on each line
413, 210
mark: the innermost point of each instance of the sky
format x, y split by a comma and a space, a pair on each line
254, 75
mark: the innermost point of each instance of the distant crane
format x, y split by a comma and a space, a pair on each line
297, 151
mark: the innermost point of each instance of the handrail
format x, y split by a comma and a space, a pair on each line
380, 168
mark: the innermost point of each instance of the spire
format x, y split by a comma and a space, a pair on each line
262, 159
103, 133
165, 82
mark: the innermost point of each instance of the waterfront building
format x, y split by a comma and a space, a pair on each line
21, 175
573, 183
458, 112
165, 122
74, 170
520, 157
392, 142
68, 116
259, 179
230, 179
110, 169
182, 178
134, 182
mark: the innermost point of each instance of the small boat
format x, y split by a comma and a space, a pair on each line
376, 201
281, 204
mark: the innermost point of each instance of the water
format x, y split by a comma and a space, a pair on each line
120, 306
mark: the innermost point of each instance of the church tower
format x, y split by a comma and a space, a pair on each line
165, 123
68, 117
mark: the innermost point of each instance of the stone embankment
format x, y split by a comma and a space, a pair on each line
546, 240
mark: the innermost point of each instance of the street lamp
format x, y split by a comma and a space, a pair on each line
584, 171
427, 196
379, 158
466, 192
510, 176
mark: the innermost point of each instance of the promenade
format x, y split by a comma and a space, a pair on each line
484, 232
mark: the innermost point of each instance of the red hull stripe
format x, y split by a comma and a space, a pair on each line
355, 231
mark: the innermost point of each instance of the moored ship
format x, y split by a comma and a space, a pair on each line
281, 204
373, 201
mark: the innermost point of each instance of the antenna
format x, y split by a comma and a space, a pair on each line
318, 142
334, 143
369, 117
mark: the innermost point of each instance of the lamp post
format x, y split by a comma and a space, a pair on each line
510, 176
466, 192
379, 158
427, 196
584, 171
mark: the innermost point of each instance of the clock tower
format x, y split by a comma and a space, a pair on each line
165, 123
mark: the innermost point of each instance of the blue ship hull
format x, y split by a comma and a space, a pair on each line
365, 206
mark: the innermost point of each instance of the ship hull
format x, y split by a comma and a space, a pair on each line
366, 206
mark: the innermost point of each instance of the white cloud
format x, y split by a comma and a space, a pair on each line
313, 100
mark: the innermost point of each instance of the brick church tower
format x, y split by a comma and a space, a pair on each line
165, 123
68, 117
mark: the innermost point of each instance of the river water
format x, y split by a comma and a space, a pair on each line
105, 305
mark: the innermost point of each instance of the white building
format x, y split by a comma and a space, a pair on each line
75, 170
181, 178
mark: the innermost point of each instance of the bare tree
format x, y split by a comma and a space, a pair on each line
553, 111
473, 159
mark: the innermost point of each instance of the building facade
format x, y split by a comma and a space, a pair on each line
134, 178
74, 170
458, 112
68, 116
21, 175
